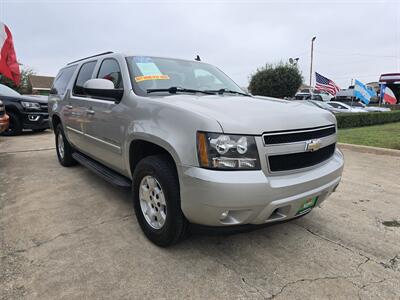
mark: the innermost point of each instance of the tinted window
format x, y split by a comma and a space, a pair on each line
61, 82
110, 70
334, 105
316, 97
85, 73
302, 97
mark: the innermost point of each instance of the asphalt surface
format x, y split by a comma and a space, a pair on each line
67, 234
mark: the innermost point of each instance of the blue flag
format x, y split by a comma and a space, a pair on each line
362, 92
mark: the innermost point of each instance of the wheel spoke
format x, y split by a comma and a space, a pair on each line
161, 218
161, 198
144, 193
151, 182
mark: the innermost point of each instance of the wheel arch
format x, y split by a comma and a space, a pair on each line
55, 120
12, 108
140, 148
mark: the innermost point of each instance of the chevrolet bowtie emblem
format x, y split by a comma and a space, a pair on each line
313, 145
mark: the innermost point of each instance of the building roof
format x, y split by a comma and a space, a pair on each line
40, 82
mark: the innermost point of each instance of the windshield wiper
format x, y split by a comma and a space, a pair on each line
223, 91
175, 89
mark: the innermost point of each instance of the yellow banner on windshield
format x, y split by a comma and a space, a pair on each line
151, 77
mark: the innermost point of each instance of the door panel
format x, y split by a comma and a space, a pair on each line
105, 127
105, 131
76, 109
73, 115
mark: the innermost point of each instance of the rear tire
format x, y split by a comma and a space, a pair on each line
15, 126
63, 148
156, 200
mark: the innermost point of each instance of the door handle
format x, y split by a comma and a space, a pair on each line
90, 112
68, 106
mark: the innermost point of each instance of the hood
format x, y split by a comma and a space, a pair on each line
34, 98
253, 115
30, 98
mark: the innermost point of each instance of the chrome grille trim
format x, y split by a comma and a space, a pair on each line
293, 136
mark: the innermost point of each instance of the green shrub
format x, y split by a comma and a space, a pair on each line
349, 120
279, 81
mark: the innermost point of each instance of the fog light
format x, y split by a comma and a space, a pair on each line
33, 118
224, 215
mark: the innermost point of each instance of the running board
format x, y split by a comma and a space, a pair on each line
103, 171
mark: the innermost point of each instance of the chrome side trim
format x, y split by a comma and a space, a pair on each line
75, 130
103, 141
94, 138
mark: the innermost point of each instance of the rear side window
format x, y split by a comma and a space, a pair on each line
85, 73
110, 70
61, 82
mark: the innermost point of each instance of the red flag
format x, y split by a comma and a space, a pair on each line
388, 96
8, 60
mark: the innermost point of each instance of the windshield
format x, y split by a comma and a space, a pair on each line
154, 73
8, 92
301, 97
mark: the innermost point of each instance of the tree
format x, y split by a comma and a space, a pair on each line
281, 80
23, 87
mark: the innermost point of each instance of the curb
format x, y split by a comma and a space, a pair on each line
369, 149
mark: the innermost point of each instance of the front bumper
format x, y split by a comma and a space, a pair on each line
223, 198
35, 120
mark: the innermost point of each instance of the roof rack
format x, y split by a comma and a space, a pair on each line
104, 53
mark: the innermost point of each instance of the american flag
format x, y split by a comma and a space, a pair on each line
325, 84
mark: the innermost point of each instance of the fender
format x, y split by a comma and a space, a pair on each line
147, 137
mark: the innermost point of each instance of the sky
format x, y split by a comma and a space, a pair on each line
354, 39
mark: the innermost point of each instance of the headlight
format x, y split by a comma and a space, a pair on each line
30, 105
227, 152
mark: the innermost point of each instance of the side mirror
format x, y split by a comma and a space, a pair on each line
102, 88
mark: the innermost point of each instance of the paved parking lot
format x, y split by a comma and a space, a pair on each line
67, 234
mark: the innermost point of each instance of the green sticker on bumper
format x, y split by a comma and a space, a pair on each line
307, 204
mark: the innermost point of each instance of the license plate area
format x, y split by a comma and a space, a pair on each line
307, 205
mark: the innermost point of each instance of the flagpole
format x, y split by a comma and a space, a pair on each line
312, 56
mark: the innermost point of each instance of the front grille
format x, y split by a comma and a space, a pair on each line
44, 107
301, 135
300, 160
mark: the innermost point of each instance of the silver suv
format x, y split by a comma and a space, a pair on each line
191, 144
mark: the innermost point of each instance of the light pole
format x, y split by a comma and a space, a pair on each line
312, 56
294, 61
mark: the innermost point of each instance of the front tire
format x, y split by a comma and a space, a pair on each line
15, 125
63, 148
156, 200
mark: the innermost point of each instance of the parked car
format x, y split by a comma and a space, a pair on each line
348, 95
359, 104
25, 112
322, 105
312, 94
344, 108
192, 146
4, 119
